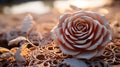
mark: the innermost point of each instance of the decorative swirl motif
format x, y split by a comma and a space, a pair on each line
83, 34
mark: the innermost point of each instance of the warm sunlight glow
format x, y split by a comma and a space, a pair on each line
37, 7
61, 6
89, 3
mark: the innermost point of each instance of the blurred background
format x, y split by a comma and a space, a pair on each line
47, 12
43, 6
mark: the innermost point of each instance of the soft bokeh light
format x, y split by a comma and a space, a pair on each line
89, 3
61, 5
103, 11
37, 7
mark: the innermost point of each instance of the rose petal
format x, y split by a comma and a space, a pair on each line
64, 25
107, 38
87, 55
97, 43
62, 38
71, 37
62, 18
83, 46
99, 29
69, 52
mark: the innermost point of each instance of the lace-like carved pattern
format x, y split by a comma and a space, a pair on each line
112, 52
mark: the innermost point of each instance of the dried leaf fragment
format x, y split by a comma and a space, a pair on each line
17, 41
4, 50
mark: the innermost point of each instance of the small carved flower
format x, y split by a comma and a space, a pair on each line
83, 34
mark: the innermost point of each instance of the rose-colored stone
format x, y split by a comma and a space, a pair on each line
83, 34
